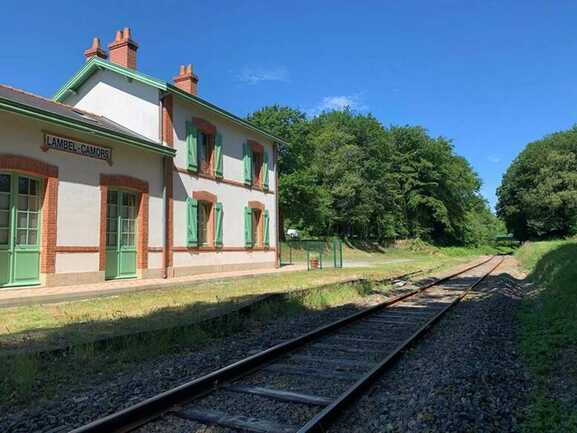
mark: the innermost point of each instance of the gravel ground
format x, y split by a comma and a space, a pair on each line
465, 376
291, 414
99, 397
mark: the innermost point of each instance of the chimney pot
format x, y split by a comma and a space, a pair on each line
123, 49
186, 80
95, 50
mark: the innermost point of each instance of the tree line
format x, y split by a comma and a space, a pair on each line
537, 198
345, 174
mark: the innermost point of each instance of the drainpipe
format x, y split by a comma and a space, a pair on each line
164, 191
277, 216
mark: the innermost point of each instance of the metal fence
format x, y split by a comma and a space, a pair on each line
315, 253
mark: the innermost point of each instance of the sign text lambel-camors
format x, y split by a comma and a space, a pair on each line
69, 145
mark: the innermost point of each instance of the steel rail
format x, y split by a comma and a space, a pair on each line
323, 419
147, 410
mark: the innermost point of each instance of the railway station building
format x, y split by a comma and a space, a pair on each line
122, 175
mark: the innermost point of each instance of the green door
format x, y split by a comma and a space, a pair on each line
121, 235
19, 230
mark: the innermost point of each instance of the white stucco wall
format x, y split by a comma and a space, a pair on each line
192, 259
136, 107
130, 103
76, 262
233, 136
234, 198
78, 219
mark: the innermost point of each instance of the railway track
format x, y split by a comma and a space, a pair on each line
301, 385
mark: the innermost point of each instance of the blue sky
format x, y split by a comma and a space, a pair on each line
490, 75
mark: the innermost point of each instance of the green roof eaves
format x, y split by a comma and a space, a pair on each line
95, 63
187, 96
11, 106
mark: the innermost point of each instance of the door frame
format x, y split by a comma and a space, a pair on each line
130, 184
12, 248
118, 249
48, 174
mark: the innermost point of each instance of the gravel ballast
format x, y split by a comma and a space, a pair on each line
102, 396
465, 375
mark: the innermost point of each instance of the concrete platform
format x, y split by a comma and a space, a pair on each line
11, 297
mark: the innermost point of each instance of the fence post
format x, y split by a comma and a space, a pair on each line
334, 253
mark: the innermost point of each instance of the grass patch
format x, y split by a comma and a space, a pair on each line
41, 327
154, 323
30, 376
549, 334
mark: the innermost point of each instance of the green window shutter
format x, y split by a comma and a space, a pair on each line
247, 158
248, 242
266, 229
192, 146
218, 225
192, 222
265, 171
218, 155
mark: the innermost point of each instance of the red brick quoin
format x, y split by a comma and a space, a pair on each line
49, 175
133, 184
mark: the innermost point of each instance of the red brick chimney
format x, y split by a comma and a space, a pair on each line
122, 50
186, 80
95, 50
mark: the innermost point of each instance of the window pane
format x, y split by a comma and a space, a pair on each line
202, 147
256, 165
113, 197
4, 183
255, 218
128, 199
23, 183
203, 212
32, 237
22, 202
21, 237
33, 203
112, 211
111, 239
4, 219
22, 220
33, 187
111, 225
3, 236
4, 201
33, 221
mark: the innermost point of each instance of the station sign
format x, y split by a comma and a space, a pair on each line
69, 145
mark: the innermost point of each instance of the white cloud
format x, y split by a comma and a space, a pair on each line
494, 159
338, 103
256, 75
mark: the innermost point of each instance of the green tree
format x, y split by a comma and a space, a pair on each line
537, 197
301, 204
344, 174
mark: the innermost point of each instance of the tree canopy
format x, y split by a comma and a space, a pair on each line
538, 194
345, 174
